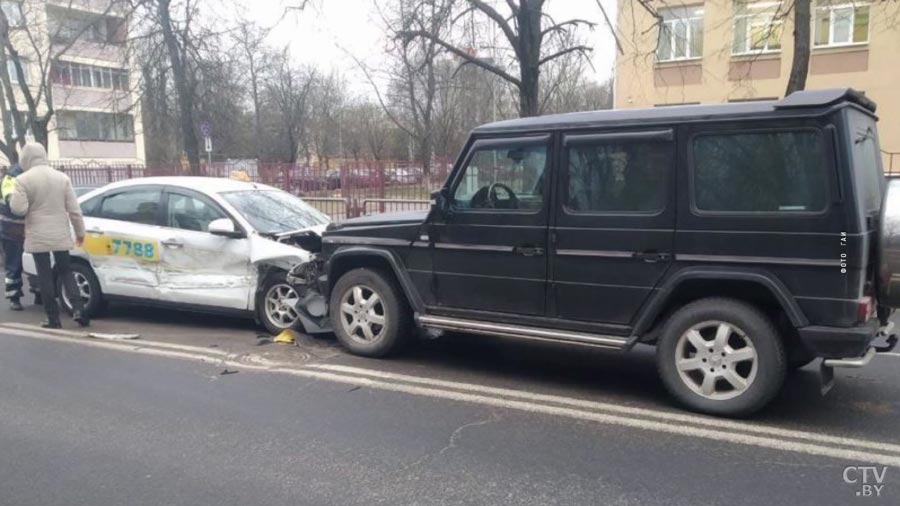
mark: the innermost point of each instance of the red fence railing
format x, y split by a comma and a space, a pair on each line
341, 189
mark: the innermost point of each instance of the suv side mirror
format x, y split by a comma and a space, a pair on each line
441, 202
225, 228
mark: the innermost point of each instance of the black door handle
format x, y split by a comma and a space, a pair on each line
528, 251
651, 256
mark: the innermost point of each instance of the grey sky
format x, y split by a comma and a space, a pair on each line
317, 34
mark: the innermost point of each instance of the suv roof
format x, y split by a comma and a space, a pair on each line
805, 103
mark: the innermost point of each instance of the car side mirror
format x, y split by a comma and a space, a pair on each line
441, 202
225, 228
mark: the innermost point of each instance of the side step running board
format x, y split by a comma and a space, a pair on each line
522, 332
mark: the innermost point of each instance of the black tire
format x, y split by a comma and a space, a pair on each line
748, 326
84, 275
397, 317
276, 280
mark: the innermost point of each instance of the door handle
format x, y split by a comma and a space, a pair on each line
172, 243
529, 251
651, 256
95, 231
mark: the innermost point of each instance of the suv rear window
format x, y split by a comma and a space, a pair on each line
866, 158
764, 172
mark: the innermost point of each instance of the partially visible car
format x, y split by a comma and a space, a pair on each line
84, 189
207, 244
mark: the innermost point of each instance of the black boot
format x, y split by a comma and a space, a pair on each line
15, 305
82, 320
51, 323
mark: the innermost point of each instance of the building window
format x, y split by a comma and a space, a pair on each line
757, 27
681, 34
13, 11
14, 75
841, 23
68, 26
89, 76
95, 126
14, 122
774, 172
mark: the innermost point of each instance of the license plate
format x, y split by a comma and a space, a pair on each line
139, 249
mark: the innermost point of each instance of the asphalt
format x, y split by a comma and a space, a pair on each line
87, 426
80, 424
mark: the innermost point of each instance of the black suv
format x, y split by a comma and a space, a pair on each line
740, 239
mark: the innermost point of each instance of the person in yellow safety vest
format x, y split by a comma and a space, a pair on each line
12, 237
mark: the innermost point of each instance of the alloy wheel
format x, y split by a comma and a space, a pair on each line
363, 314
84, 290
716, 360
280, 303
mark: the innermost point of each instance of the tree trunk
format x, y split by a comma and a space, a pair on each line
185, 97
528, 92
800, 63
528, 53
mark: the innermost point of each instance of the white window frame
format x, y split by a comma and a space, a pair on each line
760, 11
669, 25
831, 7
13, 74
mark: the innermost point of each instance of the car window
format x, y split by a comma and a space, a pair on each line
274, 211
136, 206
771, 172
91, 207
618, 177
191, 213
503, 177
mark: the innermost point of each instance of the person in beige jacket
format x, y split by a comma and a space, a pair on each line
45, 197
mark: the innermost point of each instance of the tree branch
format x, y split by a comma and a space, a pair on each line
581, 49
560, 26
407, 36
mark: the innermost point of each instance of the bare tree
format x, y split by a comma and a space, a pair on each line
250, 42
178, 43
39, 44
285, 100
800, 62
526, 29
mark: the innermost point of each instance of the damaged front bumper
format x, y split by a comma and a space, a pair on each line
309, 280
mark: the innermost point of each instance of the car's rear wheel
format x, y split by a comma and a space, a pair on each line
368, 312
721, 356
276, 304
88, 287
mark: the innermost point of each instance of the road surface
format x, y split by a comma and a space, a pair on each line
469, 420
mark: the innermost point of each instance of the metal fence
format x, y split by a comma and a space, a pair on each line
891, 161
341, 189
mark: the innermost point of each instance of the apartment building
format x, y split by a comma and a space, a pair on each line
89, 79
736, 50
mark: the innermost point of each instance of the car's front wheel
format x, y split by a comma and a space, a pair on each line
88, 287
722, 357
368, 312
276, 304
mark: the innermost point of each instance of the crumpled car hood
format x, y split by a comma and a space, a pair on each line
281, 255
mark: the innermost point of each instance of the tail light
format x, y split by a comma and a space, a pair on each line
866, 309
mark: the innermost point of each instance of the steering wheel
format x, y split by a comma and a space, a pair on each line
510, 202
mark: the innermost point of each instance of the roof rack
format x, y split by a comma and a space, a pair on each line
818, 98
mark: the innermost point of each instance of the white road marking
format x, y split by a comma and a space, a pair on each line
615, 408
138, 342
665, 425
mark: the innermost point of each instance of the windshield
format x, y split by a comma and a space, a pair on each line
274, 211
